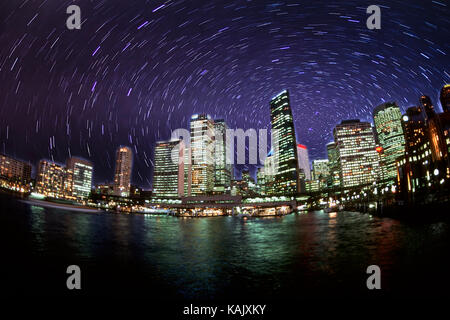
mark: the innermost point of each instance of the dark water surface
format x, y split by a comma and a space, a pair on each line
301, 255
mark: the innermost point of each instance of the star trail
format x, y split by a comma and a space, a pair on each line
139, 69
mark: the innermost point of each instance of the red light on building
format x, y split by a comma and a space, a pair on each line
379, 149
301, 146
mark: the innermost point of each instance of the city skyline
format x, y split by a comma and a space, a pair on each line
246, 167
134, 76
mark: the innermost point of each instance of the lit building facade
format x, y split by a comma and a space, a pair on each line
286, 180
202, 154
321, 169
123, 170
13, 169
414, 169
51, 180
388, 124
270, 170
424, 171
334, 180
81, 179
357, 155
222, 166
321, 173
168, 173
303, 160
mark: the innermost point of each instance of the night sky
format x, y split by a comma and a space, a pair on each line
139, 69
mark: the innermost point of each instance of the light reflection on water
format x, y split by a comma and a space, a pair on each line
222, 256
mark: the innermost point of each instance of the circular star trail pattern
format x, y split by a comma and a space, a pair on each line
139, 69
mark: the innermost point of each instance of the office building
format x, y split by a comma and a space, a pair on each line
81, 179
286, 180
356, 151
222, 165
388, 124
168, 173
334, 180
202, 155
303, 160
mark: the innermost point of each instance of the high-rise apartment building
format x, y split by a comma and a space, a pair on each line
13, 169
51, 180
123, 170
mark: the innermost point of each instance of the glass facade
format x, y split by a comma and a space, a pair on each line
334, 180
222, 167
81, 171
202, 155
388, 124
284, 144
303, 160
168, 173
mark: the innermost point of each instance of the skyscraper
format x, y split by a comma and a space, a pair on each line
202, 154
122, 176
81, 171
283, 134
388, 124
168, 173
434, 128
187, 172
269, 173
334, 180
303, 160
357, 156
415, 167
222, 167
445, 98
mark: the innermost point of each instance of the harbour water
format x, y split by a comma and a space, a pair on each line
301, 255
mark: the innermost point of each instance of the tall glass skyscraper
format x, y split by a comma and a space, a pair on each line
388, 124
202, 154
358, 159
81, 171
122, 175
334, 180
269, 173
168, 174
285, 148
222, 167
